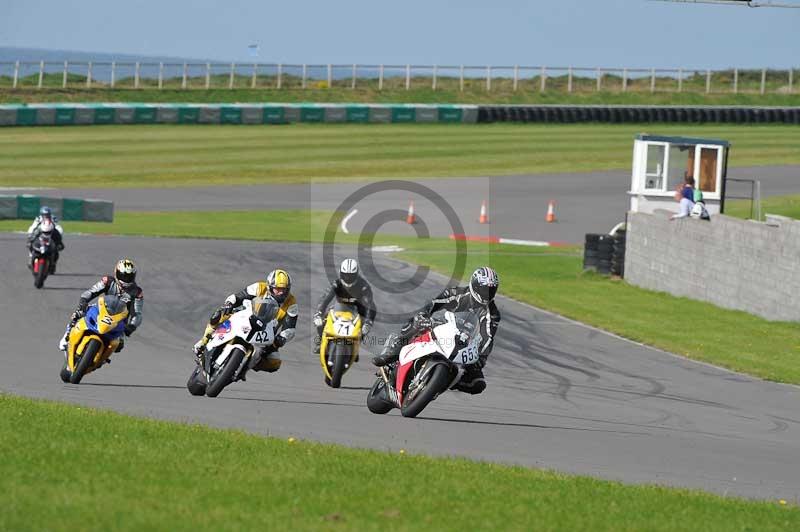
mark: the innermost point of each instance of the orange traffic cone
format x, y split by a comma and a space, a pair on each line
411, 218
484, 218
551, 212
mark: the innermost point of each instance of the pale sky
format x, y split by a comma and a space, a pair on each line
613, 33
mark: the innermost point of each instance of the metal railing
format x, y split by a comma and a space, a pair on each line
205, 76
754, 196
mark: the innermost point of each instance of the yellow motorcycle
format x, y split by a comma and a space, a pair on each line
94, 338
341, 336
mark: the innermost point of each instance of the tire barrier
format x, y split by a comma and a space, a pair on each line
605, 254
619, 114
618, 254
26, 207
257, 113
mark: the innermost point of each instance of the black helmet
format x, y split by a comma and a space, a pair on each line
483, 285
348, 272
125, 272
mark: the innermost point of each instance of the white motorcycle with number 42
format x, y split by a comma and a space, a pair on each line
431, 363
233, 344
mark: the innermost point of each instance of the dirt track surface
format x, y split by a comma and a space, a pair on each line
517, 205
560, 395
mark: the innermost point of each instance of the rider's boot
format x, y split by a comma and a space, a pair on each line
64, 342
391, 351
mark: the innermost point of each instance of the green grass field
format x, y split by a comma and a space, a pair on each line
72, 468
166, 155
783, 205
550, 278
474, 93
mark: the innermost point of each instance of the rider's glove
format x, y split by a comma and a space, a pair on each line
60, 247
129, 329
318, 320
225, 309
422, 321
77, 314
366, 327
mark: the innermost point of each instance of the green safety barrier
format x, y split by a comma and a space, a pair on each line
256, 113
26, 207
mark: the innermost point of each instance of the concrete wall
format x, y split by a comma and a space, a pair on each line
732, 263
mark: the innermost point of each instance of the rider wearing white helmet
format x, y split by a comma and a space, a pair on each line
351, 288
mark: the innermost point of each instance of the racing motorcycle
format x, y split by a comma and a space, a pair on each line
42, 258
94, 338
232, 346
340, 341
430, 364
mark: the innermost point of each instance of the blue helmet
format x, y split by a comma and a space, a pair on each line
46, 211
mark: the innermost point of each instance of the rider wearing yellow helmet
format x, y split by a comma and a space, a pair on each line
278, 286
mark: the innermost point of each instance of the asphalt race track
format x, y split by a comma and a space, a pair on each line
517, 205
561, 395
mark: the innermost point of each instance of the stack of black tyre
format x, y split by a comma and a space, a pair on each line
618, 253
597, 253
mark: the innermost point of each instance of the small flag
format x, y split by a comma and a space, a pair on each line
252, 50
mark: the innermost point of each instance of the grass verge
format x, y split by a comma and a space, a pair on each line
172, 155
68, 468
474, 93
550, 278
788, 205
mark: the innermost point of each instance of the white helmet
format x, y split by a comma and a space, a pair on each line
46, 226
348, 272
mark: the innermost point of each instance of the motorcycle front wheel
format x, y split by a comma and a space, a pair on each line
41, 275
341, 356
438, 379
87, 358
224, 376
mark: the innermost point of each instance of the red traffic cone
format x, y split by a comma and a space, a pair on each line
411, 218
484, 218
551, 212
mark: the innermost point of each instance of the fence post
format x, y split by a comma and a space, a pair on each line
255, 73
708, 81
461, 79
543, 80
408, 77
136, 76
160, 75
64, 77
433, 83
330, 75
791, 80
488, 79
41, 74
516, 77
624, 80
599, 79
353, 83
89, 75
569, 79
380, 78
208, 76
183, 76
113, 73
763, 80
303, 83
652, 80
280, 74
735, 80
680, 80
16, 74
230, 79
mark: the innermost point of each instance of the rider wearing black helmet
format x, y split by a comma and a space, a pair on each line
350, 288
123, 285
478, 296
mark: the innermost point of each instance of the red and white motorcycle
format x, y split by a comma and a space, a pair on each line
430, 364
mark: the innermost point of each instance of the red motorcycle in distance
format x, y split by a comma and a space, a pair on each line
42, 256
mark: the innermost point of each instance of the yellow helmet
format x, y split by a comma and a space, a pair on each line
280, 285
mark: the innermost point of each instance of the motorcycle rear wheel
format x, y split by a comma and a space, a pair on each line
195, 384
376, 401
438, 380
224, 376
87, 358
